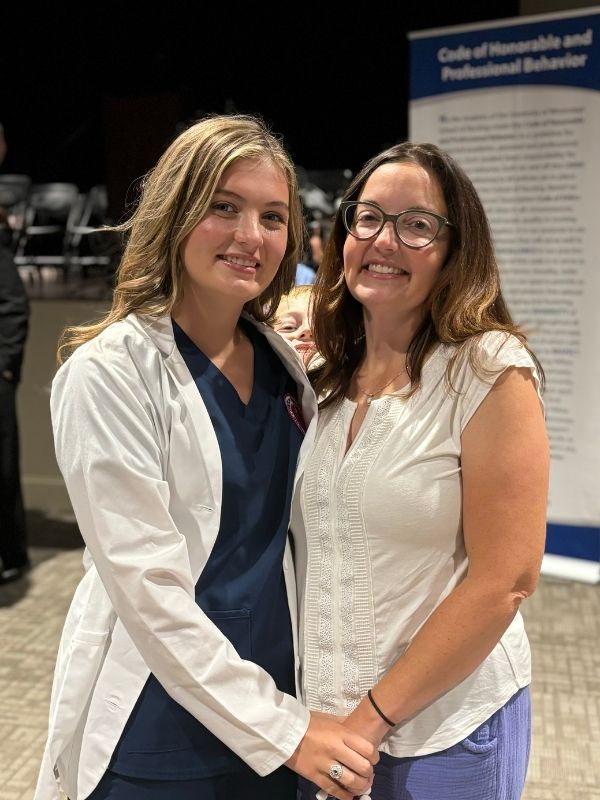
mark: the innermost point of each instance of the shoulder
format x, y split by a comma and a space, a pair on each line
123, 352
499, 346
277, 343
127, 339
486, 355
477, 365
292, 364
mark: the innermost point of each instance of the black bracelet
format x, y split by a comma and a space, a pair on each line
380, 712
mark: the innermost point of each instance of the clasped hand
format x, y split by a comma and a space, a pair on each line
327, 741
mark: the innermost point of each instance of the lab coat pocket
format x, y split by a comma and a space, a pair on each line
78, 675
90, 637
83, 662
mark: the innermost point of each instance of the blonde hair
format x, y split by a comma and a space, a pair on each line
175, 196
296, 292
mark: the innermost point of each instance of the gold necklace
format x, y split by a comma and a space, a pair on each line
371, 395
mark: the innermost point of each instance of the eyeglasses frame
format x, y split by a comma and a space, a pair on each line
345, 204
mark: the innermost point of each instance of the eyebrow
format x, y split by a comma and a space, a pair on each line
410, 208
277, 203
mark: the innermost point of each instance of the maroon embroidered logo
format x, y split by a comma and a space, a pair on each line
293, 410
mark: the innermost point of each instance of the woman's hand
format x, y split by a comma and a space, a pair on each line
327, 741
365, 721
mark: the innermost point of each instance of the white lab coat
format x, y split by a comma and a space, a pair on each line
141, 462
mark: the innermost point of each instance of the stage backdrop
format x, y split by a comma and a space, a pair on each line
517, 102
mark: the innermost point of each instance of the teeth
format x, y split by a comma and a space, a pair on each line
385, 270
242, 262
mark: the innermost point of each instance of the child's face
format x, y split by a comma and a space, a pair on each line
293, 323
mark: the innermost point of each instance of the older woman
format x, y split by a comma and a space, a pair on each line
419, 516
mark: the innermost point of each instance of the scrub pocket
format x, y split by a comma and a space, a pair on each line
162, 740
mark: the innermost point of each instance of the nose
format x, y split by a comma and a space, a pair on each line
248, 230
387, 239
303, 333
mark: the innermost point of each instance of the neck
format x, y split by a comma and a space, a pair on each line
387, 339
210, 322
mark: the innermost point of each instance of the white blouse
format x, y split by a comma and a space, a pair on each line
379, 545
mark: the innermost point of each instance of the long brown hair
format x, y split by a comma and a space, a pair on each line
175, 196
466, 299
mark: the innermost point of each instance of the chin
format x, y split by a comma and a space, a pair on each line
375, 297
244, 289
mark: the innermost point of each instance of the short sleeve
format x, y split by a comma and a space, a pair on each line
494, 351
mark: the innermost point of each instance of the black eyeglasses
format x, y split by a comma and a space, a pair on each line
415, 228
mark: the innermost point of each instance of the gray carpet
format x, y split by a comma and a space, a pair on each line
563, 622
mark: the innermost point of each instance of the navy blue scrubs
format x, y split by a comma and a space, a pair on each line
241, 589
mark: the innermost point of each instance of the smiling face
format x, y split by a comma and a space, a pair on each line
382, 273
236, 249
292, 321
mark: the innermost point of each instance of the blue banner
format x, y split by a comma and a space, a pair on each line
573, 541
553, 52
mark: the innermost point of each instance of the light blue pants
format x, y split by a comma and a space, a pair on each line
490, 764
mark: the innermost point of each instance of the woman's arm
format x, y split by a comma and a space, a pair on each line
505, 464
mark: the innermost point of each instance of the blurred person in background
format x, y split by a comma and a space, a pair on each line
14, 313
306, 271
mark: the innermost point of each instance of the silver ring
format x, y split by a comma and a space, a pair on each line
336, 771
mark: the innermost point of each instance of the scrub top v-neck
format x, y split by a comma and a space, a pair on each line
241, 588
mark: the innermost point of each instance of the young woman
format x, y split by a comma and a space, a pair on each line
419, 514
178, 422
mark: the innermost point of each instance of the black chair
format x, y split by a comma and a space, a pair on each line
51, 209
87, 243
